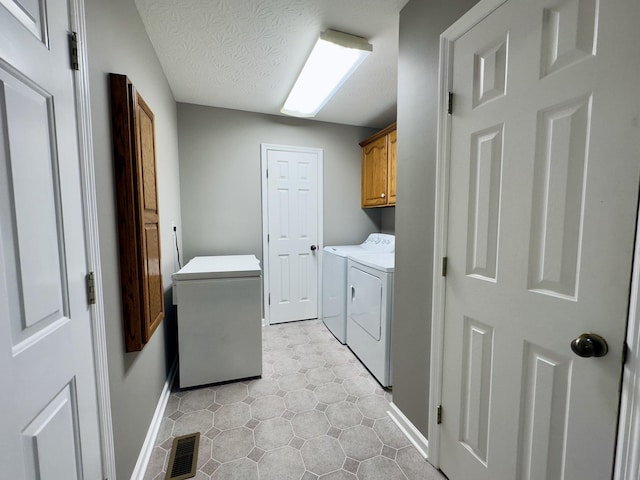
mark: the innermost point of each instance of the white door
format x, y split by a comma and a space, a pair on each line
49, 418
293, 232
544, 167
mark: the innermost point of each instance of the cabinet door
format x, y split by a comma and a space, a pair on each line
141, 284
374, 173
391, 188
150, 263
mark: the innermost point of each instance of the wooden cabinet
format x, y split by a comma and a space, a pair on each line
138, 216
379, 168
391, 169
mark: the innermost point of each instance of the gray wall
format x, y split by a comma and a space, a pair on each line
388, 220
117, 42
220, 178
421, 22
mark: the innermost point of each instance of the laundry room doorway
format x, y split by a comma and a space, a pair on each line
537, 225
291, 231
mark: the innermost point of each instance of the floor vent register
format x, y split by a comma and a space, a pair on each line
184, 457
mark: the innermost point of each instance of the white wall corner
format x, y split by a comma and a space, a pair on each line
409, 430
150, 440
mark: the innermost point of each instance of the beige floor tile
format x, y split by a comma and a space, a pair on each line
316, 414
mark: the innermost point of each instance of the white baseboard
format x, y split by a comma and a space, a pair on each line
410, 431
154, 428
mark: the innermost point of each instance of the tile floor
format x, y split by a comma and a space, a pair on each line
316, 413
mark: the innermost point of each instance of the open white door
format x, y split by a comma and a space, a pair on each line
49, 415
292, 230
543, 188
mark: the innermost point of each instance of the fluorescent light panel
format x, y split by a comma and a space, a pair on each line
333, 59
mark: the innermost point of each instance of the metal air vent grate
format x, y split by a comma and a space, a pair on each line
184, 457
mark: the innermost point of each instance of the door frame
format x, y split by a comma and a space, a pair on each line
627, 462
264, 149
92, 238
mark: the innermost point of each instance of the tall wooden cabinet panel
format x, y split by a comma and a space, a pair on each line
138, 216
379, 168
391, 173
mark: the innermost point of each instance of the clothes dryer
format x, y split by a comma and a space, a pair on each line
370, 311
334, 279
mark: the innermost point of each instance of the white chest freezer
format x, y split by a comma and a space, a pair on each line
219, 319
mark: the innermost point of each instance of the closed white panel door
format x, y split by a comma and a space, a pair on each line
544, 170
48, 419
293, 250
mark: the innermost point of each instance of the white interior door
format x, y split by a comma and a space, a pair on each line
293, 223
49, 417
544, 169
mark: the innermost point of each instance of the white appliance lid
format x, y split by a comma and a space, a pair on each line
222, 266
344, 250
375, 242
385, 262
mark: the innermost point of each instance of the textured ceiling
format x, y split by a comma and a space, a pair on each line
246, 54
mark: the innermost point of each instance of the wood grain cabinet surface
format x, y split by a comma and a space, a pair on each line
379, 168
138, 216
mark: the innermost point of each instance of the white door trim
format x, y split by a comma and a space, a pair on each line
627, 464
87, 172
264, 148
628, 447
439, 252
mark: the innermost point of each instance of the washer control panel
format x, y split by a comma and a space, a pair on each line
380, 242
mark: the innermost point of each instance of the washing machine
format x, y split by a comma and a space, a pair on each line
334, 279
370, 311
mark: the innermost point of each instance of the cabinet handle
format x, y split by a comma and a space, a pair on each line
382, 195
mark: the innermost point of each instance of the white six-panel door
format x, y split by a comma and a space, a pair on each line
293, 247
49, 418
544, 168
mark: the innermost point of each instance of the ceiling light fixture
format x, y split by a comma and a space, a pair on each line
333, 59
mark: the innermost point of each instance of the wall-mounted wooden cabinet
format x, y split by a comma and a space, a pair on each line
138, 216
379, 168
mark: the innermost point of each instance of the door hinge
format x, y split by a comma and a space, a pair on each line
91, 288
73, 51
267, 173
450, 104
268, 238
439, 416
625, 353
269, 299
444, 266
